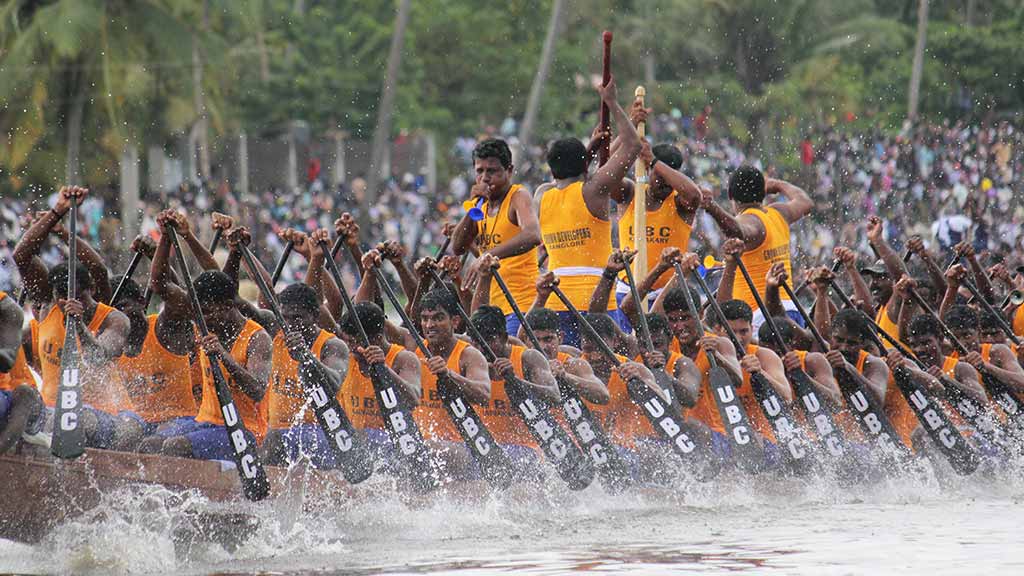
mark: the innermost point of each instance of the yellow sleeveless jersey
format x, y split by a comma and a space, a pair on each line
158, 381
665, 229
519, 272
1018, 321
578, 244
888, 324
774, 248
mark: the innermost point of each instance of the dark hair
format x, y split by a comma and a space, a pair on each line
494, 148
130, 291
370, 316
746, 185
489, 321
440, 299
853, 321
567, 158
215, 286
301, 295
603, 325
58, 277
787, 329
543, 319
675, 300
668, 154
989, 321
962, 318
737, 310
657, 323
924, 325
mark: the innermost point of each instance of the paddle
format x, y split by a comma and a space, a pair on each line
348, 444
862, 404
666, 424
664, 380
836, 265
775, 409
606, 76
279, 267
817, 412
132, 265
929, 412
398, 420
573, 467
494, 464
589, 433
69, 436
148, 297
253, 477
730, 406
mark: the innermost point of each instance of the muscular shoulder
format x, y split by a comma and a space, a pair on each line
11, 315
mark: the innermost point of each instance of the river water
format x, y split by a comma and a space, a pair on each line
922, 523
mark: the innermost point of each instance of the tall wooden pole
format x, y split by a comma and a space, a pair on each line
537, 89
640, 202
915, 73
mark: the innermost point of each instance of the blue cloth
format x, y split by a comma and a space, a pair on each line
512, 324
619, 316
211, 442
308, 440
570, 329
173, 427
106, 424
5, 405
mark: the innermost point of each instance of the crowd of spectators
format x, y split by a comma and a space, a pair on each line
946, 182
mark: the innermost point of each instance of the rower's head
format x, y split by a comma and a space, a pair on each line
370, 316
682, 323
492, 164
671, 157
567, 158
746, 186
964, 323
131, 299
879, 282
606, 329
740, 317
661, 336
300, 307
924, 338
991, 331
438, 310
547, 328
489, 321
790, 332
850, 333
58, 277
216, 292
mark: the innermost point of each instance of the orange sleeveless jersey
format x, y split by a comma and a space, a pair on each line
499, 416
101, 387
430, 414
626, 421
705, 410
774, 248
252, 413
665, 229
578, 244
19, 373
519, 272
1018, 321
901, 416
751, 405
986, 355
286, 398
158, 381
358, 397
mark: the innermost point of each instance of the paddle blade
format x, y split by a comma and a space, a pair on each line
251, 474
494, 464
68, 434
347, 443
592, 439
734, 419
417, 463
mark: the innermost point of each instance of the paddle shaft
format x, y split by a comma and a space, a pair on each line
836, 265
69, 436
643, 180
279, 267
132, 265
606, 76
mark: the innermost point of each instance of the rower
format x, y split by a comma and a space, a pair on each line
564, 366
293, 431
533, 371
155, 366
357, 396
683, 372
107, 419
996, 360
244, 348
574, 212
22, 412
509, 230
463, 366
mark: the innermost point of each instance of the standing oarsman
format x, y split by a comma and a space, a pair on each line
509, 230
244, 349
531, 367
575, 219
21, 406
102, 331
155, 365
462, 366
765, 230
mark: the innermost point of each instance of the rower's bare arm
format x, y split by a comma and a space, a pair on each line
590, 387
686, 382
110, 340
472, 377
598, 188
688, 197
33, 271
753, 230
876, 239
824, 380
407, 369
539, 377
969, 381
94, 264
725, 353
464, 235
775, 373
1005, 368
334, 358
253, 377
529, 228
798, 203
875, 378
11, 318
727, 222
